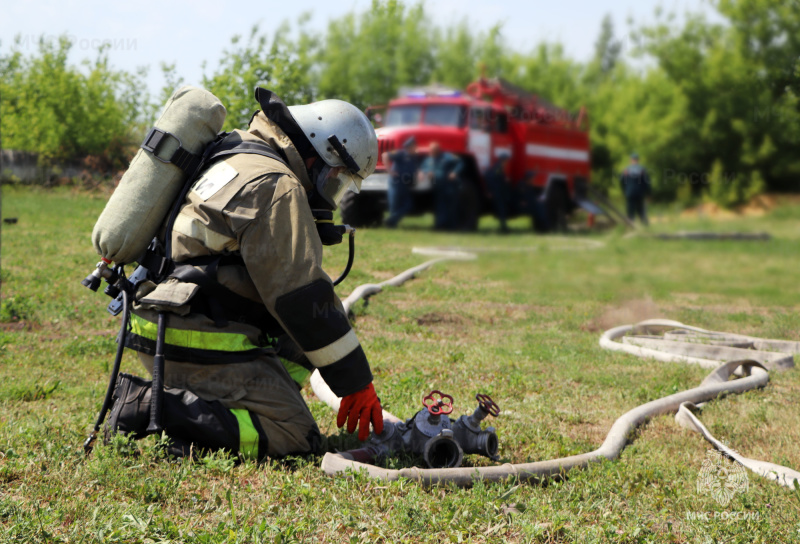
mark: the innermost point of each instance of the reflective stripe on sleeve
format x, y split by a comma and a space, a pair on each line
219, 341
335, 351
248, 435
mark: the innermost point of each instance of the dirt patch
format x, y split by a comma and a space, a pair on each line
591, 433
720, 306
508, 310
480, 310
19, 326
630, 312
434, 318
758, 206
688, 297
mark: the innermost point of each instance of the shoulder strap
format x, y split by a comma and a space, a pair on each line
228, 147
225, 144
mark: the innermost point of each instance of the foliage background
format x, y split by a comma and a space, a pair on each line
712, 108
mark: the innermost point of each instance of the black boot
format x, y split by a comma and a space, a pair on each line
190, 422
202, 425
130, 413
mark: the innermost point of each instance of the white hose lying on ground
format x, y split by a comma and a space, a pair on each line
727, 354
686, 344
783, 475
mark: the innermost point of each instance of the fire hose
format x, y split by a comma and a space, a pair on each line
748, 359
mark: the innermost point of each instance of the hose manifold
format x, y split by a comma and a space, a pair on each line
439, 440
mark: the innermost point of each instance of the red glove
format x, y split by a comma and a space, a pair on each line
362, 406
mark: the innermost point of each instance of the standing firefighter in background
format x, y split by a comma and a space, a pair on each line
402, 173
636, 187
248, 284
497, 183
444, 170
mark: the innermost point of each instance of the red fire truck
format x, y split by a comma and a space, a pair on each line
549, 169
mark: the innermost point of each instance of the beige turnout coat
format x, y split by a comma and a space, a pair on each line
253, 213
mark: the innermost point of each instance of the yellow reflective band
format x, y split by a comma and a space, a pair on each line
298, 373
323, 220
248, 435
219, 341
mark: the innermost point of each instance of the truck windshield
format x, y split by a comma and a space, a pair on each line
403, 115
442, 115
445, 115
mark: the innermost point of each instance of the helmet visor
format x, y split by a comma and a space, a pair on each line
334, 182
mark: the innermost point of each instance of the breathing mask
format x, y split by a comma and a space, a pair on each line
333, 182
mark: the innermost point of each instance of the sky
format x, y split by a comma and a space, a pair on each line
147, 32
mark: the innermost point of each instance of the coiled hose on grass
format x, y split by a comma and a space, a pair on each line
729, 355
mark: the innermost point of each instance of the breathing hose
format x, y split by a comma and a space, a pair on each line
688, 345
351, 255
88, 445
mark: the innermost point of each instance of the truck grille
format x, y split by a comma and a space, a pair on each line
386, 144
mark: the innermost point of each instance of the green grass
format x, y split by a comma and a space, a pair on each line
522, 326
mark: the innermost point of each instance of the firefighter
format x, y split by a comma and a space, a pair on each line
635, 183
444, 169
497, 183
256, 288
402, 172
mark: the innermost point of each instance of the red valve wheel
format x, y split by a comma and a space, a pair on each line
438, 406
486, 402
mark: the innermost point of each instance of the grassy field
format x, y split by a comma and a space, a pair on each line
522, 326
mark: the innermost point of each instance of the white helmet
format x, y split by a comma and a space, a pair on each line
345, 139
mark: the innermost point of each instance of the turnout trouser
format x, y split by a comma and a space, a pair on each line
263, 398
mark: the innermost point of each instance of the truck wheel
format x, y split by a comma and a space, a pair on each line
469, 207
557, 209
361, 210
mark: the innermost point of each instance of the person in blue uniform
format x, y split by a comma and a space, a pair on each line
444, 170
635, 183
497, 184
402, 165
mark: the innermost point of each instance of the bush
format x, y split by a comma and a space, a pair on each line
64, 113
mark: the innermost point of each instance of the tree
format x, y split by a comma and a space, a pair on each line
607, 48
714, 106
61, 112
282, 65
366, 58
742, 121
455, 55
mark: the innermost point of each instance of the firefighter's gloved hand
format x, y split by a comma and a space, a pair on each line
360, 409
